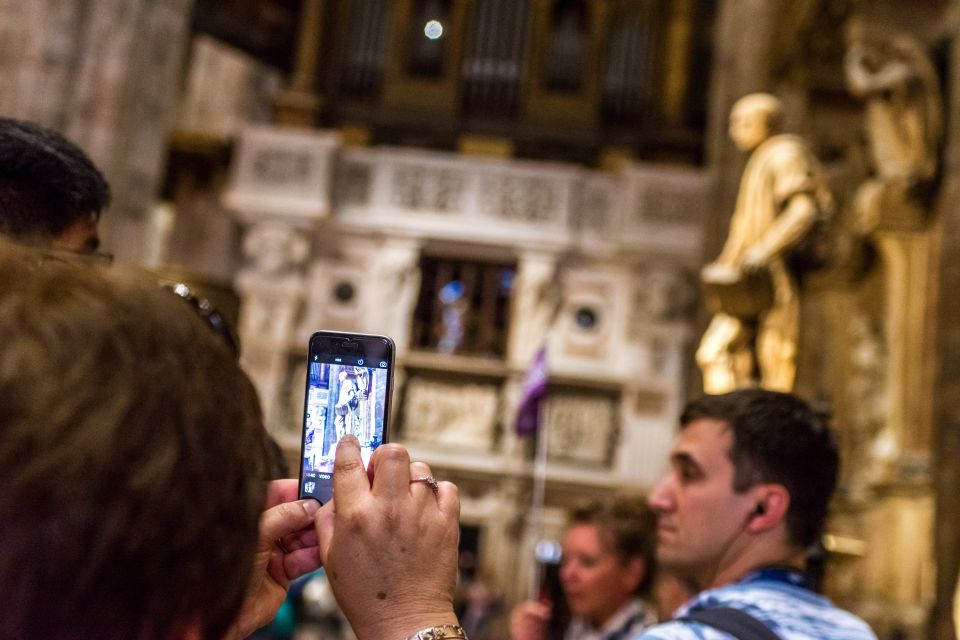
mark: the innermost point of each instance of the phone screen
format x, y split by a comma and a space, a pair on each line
349, 383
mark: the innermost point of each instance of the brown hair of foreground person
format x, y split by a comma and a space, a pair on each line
131, 459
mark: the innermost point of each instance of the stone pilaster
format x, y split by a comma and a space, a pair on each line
946, 386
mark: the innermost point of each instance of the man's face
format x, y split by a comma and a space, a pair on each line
749, 125
700, 515
79, 237
596, 580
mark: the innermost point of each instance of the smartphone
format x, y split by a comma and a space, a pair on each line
349, 384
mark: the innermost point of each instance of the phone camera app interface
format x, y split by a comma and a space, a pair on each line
342, 399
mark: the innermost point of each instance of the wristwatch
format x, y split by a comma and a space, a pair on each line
440, 632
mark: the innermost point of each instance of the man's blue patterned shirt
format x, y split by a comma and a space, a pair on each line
792, 612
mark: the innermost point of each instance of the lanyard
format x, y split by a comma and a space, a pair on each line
779, 574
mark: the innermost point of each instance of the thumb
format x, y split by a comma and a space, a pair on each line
288, 517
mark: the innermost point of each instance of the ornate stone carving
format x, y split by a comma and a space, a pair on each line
598, 208
282, 172
429, 188
582, 427
660, 294
271, 285
354, 183
521, 198
448, 413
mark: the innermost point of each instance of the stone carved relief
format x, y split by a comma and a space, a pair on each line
660, 294
664, 204
598, 202
285, 172
582, 428
428, 188
520, 198
449, 413
354, 181
277, 168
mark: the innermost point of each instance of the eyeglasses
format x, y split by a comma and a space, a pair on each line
208, 313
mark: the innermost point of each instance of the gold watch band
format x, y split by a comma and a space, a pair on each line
440, 632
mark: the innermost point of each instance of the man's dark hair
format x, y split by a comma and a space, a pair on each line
778, 438
629, 526
46, 182
131, 459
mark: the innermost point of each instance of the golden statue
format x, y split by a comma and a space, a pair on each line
752, 337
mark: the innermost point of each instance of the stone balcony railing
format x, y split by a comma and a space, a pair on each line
303, 176
521, 203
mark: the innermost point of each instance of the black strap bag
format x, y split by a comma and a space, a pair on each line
737, 623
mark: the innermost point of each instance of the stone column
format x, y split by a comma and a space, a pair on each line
535, 299
678, 53
299, 103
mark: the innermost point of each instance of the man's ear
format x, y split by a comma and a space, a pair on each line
772, 504
635, 570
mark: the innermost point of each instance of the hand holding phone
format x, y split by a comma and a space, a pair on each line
348, 390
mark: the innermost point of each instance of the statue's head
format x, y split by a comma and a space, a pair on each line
754, 118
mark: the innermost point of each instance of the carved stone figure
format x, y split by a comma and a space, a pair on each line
752, 337
271, 292
271, 285
897, 80
893, 73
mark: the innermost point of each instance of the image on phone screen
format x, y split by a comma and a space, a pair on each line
346, 394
